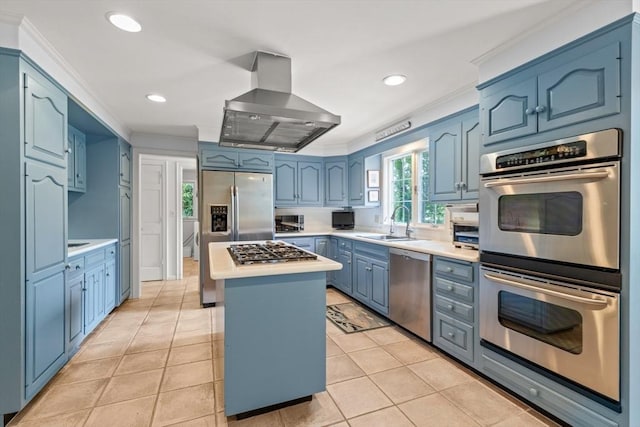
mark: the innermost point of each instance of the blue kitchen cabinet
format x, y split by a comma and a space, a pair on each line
125, 214
454, 156
455, 308
46, 256
45, 120
76, 161
298, 183
110, 280
356, 181
306, 243
93, 298
125, 163
371, 276
552, 94
322, 246
335, 182
213, 157
343, 278
125, 270
74, 294
332, 253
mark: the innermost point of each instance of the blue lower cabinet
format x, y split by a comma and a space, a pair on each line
93, 298
371, 276
45, 331
74, 294
110, 286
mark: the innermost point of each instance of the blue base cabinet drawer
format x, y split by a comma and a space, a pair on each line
453, 336
456, 270
553, 401
454, 309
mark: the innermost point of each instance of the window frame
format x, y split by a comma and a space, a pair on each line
194, 200
415, 149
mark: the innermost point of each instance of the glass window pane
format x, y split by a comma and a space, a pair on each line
430, 213
187, 199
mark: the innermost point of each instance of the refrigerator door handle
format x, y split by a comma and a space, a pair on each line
233, 214
236, 214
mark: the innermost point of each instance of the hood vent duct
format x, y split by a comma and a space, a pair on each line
270, 117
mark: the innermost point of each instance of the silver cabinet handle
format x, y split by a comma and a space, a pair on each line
597, 302
450, 288
451, 334
540, 109
451, 307
533, 392
69, 150
549, 178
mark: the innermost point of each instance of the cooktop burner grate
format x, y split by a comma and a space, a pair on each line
269, 252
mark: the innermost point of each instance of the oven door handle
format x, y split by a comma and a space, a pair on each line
597, 302
549, 178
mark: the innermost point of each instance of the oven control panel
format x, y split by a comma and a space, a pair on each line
569, 150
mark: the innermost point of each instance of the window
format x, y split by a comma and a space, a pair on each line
187, 200
407, 175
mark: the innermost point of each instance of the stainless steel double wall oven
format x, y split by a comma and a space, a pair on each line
550, 253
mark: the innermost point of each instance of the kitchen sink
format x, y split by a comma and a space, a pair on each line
389, 238
75, 245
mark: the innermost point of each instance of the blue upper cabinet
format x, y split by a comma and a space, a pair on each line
335, 182
356, 181
454, 155
581, 85
45, 121
215, 158
76, 161
298, 183
125, 163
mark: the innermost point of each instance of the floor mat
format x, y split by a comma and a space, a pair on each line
352, 317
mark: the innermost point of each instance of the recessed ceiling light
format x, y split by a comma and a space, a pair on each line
124, 22
156, 98
394, 79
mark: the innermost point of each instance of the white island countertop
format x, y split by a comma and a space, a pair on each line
222, 265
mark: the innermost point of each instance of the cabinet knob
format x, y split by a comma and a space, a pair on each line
451, 307
463, 186
68, 150
368, 268
450, 288
348, 262
77, 175
77, 267
529, 111
451, 334
533, 392
449, 270
121, 174
112, 252
67, 267
108, 275
540, 109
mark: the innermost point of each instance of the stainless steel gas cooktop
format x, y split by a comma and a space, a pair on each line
269, 252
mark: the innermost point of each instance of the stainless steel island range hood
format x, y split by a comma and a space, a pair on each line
270, 117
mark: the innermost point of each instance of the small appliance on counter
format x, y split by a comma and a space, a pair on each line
464, 225
343, 220
289, 223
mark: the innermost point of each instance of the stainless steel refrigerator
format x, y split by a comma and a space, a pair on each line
233, 206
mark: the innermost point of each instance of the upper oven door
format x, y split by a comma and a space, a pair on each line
567, 214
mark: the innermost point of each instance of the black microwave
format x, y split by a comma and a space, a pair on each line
342, 220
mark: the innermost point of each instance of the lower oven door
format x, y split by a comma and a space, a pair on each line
573, 332
567, 214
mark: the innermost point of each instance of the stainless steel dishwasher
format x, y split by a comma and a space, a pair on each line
410, 291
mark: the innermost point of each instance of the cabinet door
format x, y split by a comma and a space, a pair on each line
356, 181
255, 162
471, 139
45, 121
379, 286
93, 298
46, 220
286, 183
71, 159
335, 179
509, 113
332, 252
125, 164
125, 214
215, 158
80, 161
45, 331
580, 90
310, 183
444, 162
125, 271
362, 279
344, 278
322, 246
109, 286
74, 289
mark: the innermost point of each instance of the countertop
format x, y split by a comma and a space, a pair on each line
222, 266
433, 247
92, 244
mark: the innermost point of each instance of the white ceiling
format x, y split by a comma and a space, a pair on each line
197, 52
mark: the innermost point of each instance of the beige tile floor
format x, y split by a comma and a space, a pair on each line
156, 361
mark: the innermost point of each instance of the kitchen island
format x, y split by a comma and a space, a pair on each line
273, 317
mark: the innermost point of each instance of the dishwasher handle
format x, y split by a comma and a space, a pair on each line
410, 254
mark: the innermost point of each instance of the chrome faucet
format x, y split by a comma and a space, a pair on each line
408, 231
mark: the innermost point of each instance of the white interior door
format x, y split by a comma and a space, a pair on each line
152, 220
